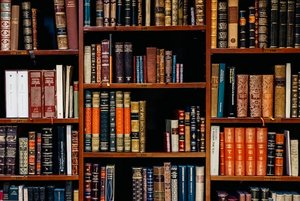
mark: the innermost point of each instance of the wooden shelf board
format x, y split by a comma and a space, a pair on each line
39, 178
144, 28
146, 85
38, 52
144, 155
38, 121
255, 178
255, 120
255, 51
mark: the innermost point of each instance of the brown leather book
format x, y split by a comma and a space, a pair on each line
5, 24
261, 151
279, 93
34, 13
49, 94
267, 95
239, 150
255, 95
35, 93
242, 95
159, 12
72, 23
151, 64
61, 24
214, 89
250, 151
14, 33
222, 154
229, 151
105, 70
279, 154
233, 23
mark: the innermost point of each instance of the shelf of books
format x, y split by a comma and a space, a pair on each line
254, 99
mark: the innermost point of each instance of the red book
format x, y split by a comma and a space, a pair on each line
261, 154
49, 93
72, 24
35, 93
151, 64
180, 115
239, 149
222, 154
229, 151
279, 154
105, 60
250, 151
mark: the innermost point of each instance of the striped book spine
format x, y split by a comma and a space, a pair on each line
88, 121
137, 183
31, 152
142, 119
27, 25
120, 121
150, 184
99, 13
104, 121
127, 121
135, 127
23, 155
193, 125
5, 24
95, 123
112, 121
2, 149
174, 182
180, 116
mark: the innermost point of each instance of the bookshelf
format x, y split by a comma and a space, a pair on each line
259, 60
31, 46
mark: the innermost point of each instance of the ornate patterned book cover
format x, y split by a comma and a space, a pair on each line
88, 121
242, 95
61, 24
104, 121
95, 119
135, 126
250, 151
279, 91
261, 151
267, 95
255, 95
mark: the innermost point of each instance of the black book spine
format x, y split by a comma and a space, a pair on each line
119, 65
242, 29
271, 154
119, 13
222, 27
134, 12
36, 193
61, 141
262, 24
11, 149
2, 149
42, 191
231, 103
274, 24
30, 193
49, 193
112, 121
69, 190
297, 24
128, 61
290, 23
127, 13
251, 26
104, 121
282, 23
47, 151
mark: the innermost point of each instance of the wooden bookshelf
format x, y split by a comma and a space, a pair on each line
38, 52
145, 155
255, 178
38, 121
49, 178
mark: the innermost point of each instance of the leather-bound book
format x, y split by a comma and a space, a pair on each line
143, 128
180, 12
168, 66
271, 153
229, 151
233, 23
214, 89
140, 12
23, 155
159, 12
106, 12
174, 13
135, 126
279, 154
127, 12
104, 121
15, 21
199, 12
158, 183
72, 23
255, 95
214, 23
279, 91
222, 154
274, 24
261, 148
231, 89
100, 13
31, 152
35, 93
95, 121
222, 27
168, 11
297, 24
267, 95
5, 24
119, 62
251, 27
151, 64
282, 23
128, 62
127, 121
2, 149
49, 84
88, 121
239, 150
242, 94
294, 93
105, 70
34, 13
113, 13
250, 151
134, 13
242, 29
61, 24
290, 23
27, 25
262, 24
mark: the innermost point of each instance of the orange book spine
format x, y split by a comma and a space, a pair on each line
127, 122
229, 151
222, 154
180, 116
95, 121
279, 154
261, 154
250, 151
239, 150
120, 121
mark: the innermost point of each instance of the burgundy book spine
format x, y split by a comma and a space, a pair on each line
72, 23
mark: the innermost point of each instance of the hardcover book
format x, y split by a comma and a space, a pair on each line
255, 95
242, 95
5, 24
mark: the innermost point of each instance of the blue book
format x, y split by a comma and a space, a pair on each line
137, 64
182, 183
110, 183
191, 184
112, 120
13, 193
141, 69
87, 12
59, 194
221, 89
174, 68
150, 184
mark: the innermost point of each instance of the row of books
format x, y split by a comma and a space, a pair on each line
114, 122
25, 19
157, 65
168, 182
49, 150
267, 95
41, 93
186, 133
143, 13
251, 151
99, 181
23, 192
258, 193
261, 25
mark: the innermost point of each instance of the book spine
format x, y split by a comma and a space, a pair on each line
148, 12
87, 65
76, 98
242, 29
38, 162
182, 182
34, 14
75, 152
193, 124
127, 121
271, 153
232, 90
47, 151
72, 24
144, 183
297, 24
103, 183
87, 12
119, 62
229, 151
95, 180
119, 121
61, 147
187, 129
31, 152
61, 24
113, 13
158, 183
150, 184
214, 150
221, 89
142, 119
49, 83
167, 179
100, 13
14, 33
242, 95
214, 24
112, 120
88, 181
168, 66
294, 93
294, 157
202, 134
261, 142
282, 23
127, 12
11, 150
267, 95
135, 126
120, 13
105, 65
233, 23
262, 24
137, 183
239, 150
140, 12
199, 12
93, 63
279, 91
159, 12
290, 23
95, 121
110, 182
5, 24
222, 154
251, 27
98, 62
35, 94
168, 12
23, 155
88, 121
250, 151
279, 154
27, 25
2, 148
104, 121
214, 88
128, 62
134, 13
181, 142
255, 101
174, 12
274, 24
174, 136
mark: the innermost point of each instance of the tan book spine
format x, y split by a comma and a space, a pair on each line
187, 130
120, 121
214, 89
148, 13
242, 95
267, 95
168, 12
261, 154
142, 119
250, 151
279, 93
159, 13
61, 24
113, 13
239, 150
158, 183
34, 12
167, 176
174, 12
162, 65
135, 126
233, 13
255, 95
229, 151
214, 21
15, 19
199, 12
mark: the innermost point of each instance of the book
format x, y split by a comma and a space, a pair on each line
271, 153
48, 92
261, 147
22, 93
95, 121
279, 154
23, 155
143, 123
104, 121
221, 90
294, 157
15, 23
31, 152
182, 182
199, 188
61, 24
5, 24
267, 95
119, 121
167, 180
288, 83
88, 121
255, 95
239, 150
233, 23
214, 150
242, 93
231, 89
11, 97
279, 90
229, 151
59, 91
214, 88
110, 182
135, 126
250, 151
214, 23
72, 23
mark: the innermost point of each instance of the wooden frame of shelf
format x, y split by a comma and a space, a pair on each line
38, 121
38, 52
145, 155
39, 178
255, 178
256, 120
255, 51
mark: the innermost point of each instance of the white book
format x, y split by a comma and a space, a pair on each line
22, 90
148, 13
288, 82
20, 193
59, 92
69, 148
214, 150
25, 193
174, 136
87, 65
200, 183
294, 157
67, 89
287, 153
71, 102
11, 97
